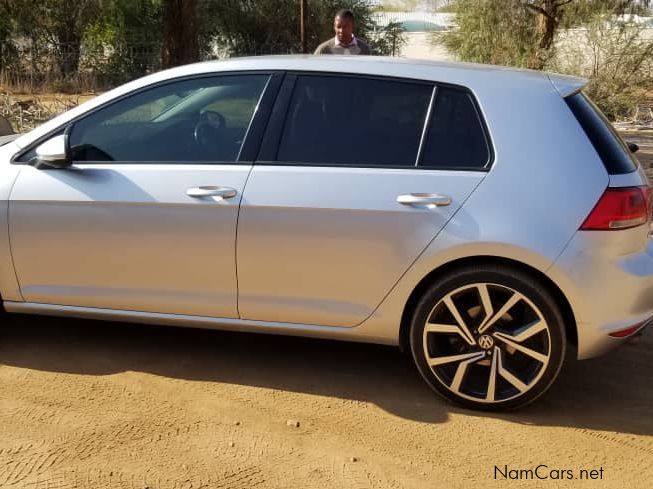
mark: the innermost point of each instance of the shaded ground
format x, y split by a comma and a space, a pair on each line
101, 405
644, 139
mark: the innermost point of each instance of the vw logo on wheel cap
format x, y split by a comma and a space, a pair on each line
486, 342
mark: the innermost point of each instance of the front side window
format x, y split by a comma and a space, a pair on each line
203, 119
455, 138
354, 121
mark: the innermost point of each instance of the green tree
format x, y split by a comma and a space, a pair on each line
125, 42
7, 51
250, 27
521, 32
584, 12
493, 32
56, 24
553, 14
524, 33
180, 43
247, 27
389, 40
617, 58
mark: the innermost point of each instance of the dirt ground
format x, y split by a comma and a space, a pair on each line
88, 404
644, 139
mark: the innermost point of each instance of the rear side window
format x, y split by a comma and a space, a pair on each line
615, 155
456, 138
354, 121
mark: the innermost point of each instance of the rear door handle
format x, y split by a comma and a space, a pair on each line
419, 199
211, 191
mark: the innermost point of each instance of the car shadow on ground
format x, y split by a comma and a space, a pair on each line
612, 393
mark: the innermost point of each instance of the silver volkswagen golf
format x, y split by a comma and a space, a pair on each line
484, 219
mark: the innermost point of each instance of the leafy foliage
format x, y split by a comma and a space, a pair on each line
492, 32
617, 59
389, 40
251, 27
111, 41
591, 38
125, 41
7, 48
584, 12
59, 24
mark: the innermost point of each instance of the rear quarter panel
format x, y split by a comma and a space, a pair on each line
545, 180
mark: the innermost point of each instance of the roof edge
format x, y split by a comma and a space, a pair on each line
567, 85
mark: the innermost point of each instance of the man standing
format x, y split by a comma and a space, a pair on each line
345, 42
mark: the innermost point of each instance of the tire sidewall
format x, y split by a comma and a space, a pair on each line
516, 280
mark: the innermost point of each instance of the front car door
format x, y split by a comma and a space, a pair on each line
356, 176
145, 219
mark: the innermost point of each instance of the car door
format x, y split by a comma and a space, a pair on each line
145, 218
351, 185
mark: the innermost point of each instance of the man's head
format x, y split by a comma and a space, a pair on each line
343, 24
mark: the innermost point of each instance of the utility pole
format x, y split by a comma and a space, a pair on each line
302, 14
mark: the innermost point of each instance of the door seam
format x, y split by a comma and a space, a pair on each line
11, 252
240, 204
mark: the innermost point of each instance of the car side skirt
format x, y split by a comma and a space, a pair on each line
357, 334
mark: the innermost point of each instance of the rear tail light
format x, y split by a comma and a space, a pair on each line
620, 208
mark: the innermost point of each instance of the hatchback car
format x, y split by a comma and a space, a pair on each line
482, 218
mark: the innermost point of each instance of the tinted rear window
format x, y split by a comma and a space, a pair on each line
354, 121
456, 138
613, 152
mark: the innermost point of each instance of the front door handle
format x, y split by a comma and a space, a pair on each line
211, 191
420, 199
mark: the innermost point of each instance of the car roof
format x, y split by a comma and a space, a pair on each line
350, 64
476, 77
467, 74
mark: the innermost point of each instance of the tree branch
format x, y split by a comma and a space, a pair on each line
540, 10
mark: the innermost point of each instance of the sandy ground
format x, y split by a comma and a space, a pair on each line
102, 405
644, 139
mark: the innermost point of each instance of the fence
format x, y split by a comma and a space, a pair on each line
27, 67
39, 81
30, 68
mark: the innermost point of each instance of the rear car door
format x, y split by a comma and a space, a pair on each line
145, 218
349, 188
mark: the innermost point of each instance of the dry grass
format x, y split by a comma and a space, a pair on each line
24, 112
43, 84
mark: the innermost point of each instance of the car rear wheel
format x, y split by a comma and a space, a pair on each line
488, 337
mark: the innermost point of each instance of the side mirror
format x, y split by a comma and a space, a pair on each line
632, 147
53, 153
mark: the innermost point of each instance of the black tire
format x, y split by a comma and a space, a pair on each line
502, 281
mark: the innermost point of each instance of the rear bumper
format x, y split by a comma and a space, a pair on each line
608, 279
632, 331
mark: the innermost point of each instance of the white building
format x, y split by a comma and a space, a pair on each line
421, 28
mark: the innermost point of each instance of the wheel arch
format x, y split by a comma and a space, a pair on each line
432, 276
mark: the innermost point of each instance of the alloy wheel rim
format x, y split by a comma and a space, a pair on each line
487, 343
